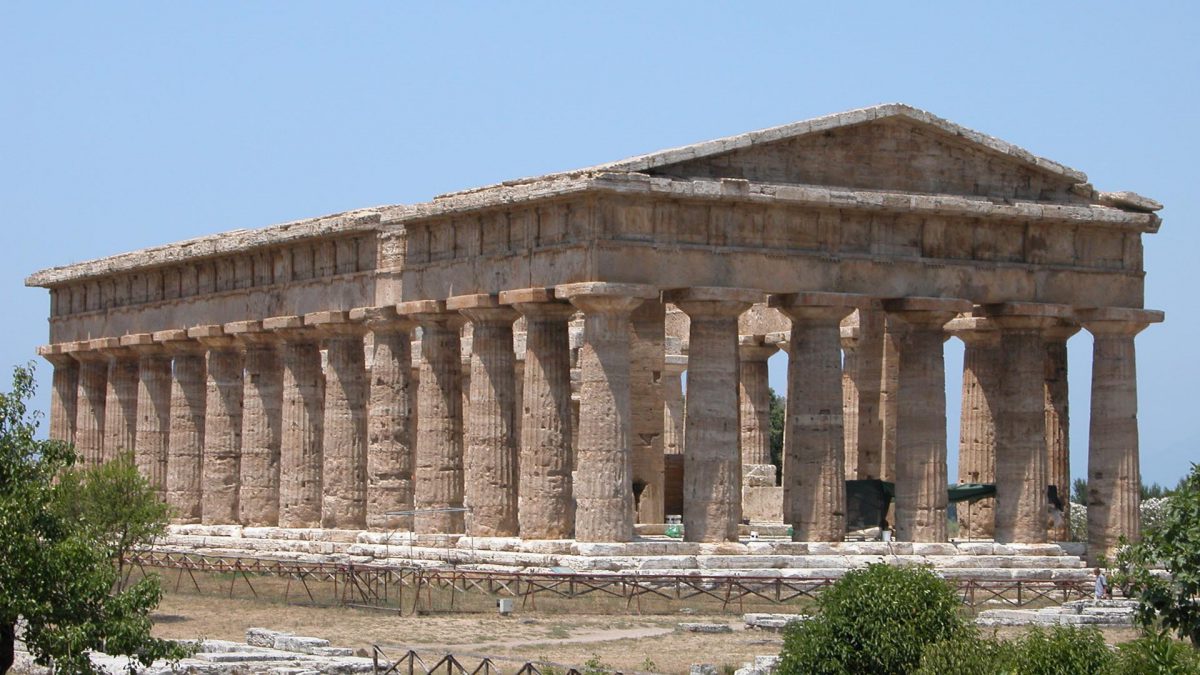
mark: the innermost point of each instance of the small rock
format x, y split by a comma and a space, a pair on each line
705, 627
702, 669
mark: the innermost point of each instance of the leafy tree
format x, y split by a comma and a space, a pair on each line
1170, 603
1079, 491
778, 412
58, 574
874, 620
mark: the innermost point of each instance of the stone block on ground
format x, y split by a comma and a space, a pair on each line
705, 627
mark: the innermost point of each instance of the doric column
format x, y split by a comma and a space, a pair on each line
1058, 423
344, 442
814, 488
185, 442
90, 401
862, 378
712, 490
120, 401
546, 503
439, 468
646, 355
262, 424
889, 396
153, 419
1021, 470
303, 427
490, 448
920, 460
391, 419
754, 401
64, 389
221, 467
672, 388
981, 393
603, 473
1114, 475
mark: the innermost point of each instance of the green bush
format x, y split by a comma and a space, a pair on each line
874, 620
1063, 651
969, 655
1160, 654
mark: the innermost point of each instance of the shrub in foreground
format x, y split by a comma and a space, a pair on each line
874, 620
969, 654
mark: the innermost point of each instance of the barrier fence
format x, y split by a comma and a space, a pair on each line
411, 663
412, 590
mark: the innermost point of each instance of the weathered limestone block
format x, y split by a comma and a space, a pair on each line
90, 400
344, 443
439, 467
814, 485
646, 356
1058, 423
262, 424
490, 490
300, 457
221, 468
391, 419
921, 414
546, 504
603, 473
120, 405
1021, 470
186, 438
1114, 475
982, 364
712, 497
153, 426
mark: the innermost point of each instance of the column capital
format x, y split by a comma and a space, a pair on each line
675, 364
143, 344
176, 340
290, 328
1024, 316
538, 303
56, 354
926, 313
482, 308
426, 312
804, 302
1126, 321
597, 297
717, 301
251, 333
212, 336
334, 324
973, 329
755, 348
381, 319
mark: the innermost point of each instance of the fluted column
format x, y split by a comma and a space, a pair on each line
64, 390
546, 506
153, 419
814, 488
921, 479
221, 467
754, 401
889, 396
90, 402
1058, 423
490, 488
1021, 470
303, 425
862, 378
712, 491
603, 472
1114, 474
262, 424
646, 355
120, 401
185, 442
981, 393
672, 388
439, 468
344, 442
391, 419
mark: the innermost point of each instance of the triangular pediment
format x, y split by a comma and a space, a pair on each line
892, 147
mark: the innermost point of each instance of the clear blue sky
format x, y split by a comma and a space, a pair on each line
128, 125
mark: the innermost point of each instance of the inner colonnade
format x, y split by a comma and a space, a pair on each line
507, 360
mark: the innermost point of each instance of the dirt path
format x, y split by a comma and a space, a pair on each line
582, 637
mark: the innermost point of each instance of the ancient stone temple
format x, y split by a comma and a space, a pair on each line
506, 361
